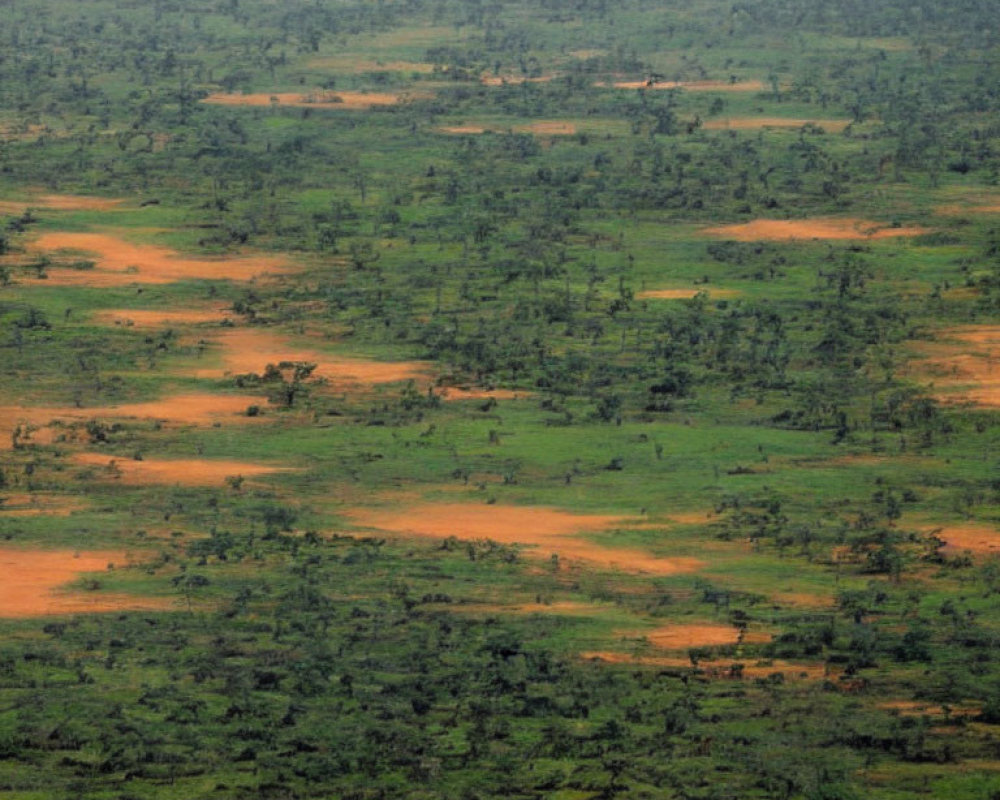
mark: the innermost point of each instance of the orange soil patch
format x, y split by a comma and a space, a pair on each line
31, 579
37, 505
685, 294
246, 350
917, 708
462, 393
540, 128
548, 531
802, 599
830, 228
566, 607
463, 129
60, 202
349, 63
693, 86
502, 80
185, 409
715, 669
181, 472
160, 319
347, 101
758, 123
681, 637
969, 377
976, 538
121, 263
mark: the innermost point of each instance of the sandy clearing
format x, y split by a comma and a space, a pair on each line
119, 262
185, 409
352, 64
721, 668
829, 228
513, 80
60, 202
181, 472
685, 294
539, 128
40, 504
250, 350
547, 531
466, 393
759, 123
463, 129
31, 579
692, 86
160, 319
978, 538
346, 101
961, 376
681, 637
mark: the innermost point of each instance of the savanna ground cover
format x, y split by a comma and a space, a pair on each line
459, 400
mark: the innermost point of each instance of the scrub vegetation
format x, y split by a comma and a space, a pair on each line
456, 399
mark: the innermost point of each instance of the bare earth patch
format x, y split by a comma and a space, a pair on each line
180, 472
120, 263
759, 123
977, 538
40, 504
540, 128
158, 319
31, 581
250, 350
60, 202
722, 668
467, 393
346, 101
964, 365
547, 531
685, 294
693, 86
348, 63
682, 637
503, 80
829, 228
184, 409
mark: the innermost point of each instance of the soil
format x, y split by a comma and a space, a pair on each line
60, 202
346, 101
348, 63
246, 350
685, 294
962, 376
540, 128
758, 123
695, 86
502, 80
31, 579
829, 228
40, 504
976, 538
715, 669
681, 637
163, 319
180, 472
546, 531
462, 393
119, 262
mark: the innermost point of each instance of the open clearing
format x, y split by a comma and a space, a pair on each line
180, 472
722, 668
759, 123
346, 101
40, 504
828, 228
546, 531
120, 263
354, 65
692, 86
964, 365
159, 319
250, 350
60, 202
976, 538
31, 579
540, 128
685, 294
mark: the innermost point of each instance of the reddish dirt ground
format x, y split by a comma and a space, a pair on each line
183, 409
684, 636
830, 228
685, 294
178, 472
694, 86
977, 538
964, 365
40, 504
346, 101
759, 123
120, 263
715, 669
540, 128
161, 319
547, 531
468, 393
246, 350
60, 202
31, 579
